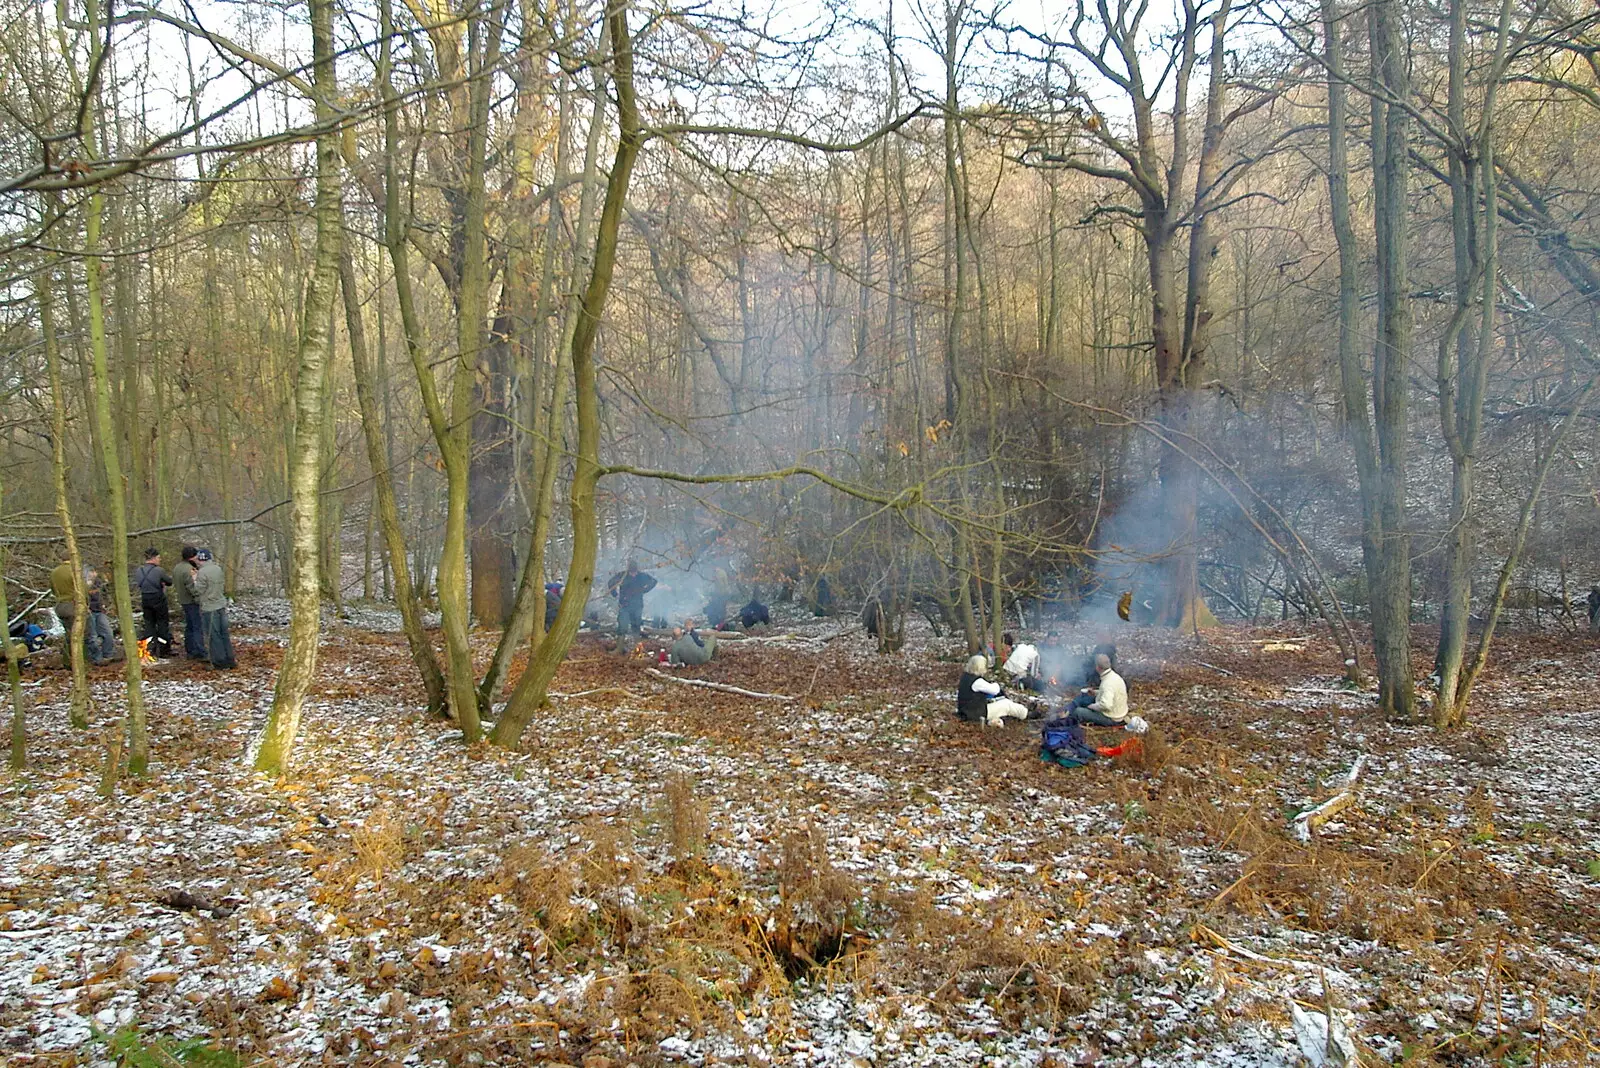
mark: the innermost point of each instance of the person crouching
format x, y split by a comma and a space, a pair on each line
978, 698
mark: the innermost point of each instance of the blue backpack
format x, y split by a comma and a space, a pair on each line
1063, 743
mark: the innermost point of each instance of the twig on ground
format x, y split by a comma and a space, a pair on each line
723, 687
1308, 820
1213, 667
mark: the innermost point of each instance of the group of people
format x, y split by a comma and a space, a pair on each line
201, 592
1102, 700
629, 587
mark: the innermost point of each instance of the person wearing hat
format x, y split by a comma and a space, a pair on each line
152, 580
194, 635
211, 591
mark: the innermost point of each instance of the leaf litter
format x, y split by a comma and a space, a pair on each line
682, 876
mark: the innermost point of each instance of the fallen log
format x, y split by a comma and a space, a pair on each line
1312, 818
718, 686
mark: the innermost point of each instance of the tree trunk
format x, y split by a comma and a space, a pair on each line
19, 711
300, 658
373, 432
527, 615
78, 709
134, 721
529, 694
1352, 375
491, 532
1390, 592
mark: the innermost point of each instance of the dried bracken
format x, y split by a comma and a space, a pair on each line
681, 876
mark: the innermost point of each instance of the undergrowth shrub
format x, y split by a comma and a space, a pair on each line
818, 905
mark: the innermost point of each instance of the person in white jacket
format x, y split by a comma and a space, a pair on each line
1022, 666
978, 698
1110, 705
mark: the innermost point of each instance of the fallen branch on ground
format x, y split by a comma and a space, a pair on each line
723, 687
1311, 818
1213, 667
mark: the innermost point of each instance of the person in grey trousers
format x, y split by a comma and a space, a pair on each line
210, 590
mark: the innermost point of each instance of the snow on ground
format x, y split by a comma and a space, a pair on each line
669, 875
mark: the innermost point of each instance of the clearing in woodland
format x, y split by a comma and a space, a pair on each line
670, 875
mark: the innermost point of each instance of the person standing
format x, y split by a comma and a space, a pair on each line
64, 586
211, 591
1594, 609
194, 635
152, 580
629, 587
98, 640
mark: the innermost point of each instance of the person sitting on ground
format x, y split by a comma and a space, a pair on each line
978, 698
688, 647
753, 613
1091, 673
1109, 705
1023, 665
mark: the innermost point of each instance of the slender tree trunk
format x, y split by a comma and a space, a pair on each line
300, 658
134, 722
78, 709
1352, 375
19, 711
529, 694
1390, 592
373, 433
527, 616
1462, 389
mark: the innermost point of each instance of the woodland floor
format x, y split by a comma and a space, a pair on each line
671, 875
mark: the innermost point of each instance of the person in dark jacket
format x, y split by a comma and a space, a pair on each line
98, 641
717, 610
552, 603
629, 587
872, 616
152, 580
753, 613
822, 597
981, 700
1594, 609
194, 635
